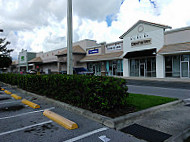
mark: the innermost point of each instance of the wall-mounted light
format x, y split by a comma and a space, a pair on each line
154, 53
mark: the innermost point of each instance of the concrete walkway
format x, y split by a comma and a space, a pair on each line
173, 121
158, 79
160, 91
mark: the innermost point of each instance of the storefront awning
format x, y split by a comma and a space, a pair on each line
75, 50
36, 60
104, 57
142, 53
179, 48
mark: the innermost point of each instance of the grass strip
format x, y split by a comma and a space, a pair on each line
141, 102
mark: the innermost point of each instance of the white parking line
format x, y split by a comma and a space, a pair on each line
20, 129
9, 102
87, 134
26, 113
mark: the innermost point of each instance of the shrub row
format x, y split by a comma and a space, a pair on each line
93, 92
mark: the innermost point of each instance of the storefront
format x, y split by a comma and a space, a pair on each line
177, 66
23, 60
108, 68
144, 67
141, 44
151, 51
114, 68
105, 59
95, 68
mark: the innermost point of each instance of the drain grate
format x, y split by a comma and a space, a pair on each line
145, 133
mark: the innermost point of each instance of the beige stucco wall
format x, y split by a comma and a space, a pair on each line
76, 63
52, 66
177, 37
85, 43
114, 44
49, 56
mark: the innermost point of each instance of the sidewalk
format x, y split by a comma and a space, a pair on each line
173, 121
158, 79
160, 91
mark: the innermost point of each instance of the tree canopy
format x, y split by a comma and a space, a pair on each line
5, 59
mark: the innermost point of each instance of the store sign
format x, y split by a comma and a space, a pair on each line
22, 58
141, 42
94, 51
114, 47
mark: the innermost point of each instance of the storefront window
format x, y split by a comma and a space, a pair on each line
119, 68
177, 66
149, 67
143, 67
168, 66
132, 67
107, 68
185, 58
114, 68
95, 67
153, 67
89, 67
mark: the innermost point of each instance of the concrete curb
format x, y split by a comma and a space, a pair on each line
120, 122
180, 137
115, 123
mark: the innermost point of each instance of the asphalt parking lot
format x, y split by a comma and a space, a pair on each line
20, 123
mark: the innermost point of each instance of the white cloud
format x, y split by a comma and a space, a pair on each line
40, 25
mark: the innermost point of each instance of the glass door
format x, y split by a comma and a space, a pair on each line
185, 69
142, 70
94, 68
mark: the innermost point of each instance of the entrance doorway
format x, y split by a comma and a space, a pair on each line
96, 68
142, 70
185, 69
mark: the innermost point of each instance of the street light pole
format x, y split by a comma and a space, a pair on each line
69, 38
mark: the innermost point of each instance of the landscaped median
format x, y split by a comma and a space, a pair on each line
90, 92
91, 96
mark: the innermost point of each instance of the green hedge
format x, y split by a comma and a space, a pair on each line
93, 92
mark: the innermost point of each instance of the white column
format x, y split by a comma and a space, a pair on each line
126, 68
160, 65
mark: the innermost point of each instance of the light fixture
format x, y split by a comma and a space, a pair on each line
154, 53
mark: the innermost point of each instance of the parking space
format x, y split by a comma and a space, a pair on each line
20, 123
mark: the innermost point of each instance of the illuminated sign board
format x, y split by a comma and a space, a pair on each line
94, 51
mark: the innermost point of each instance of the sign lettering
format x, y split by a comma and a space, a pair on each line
94, 51
141, 42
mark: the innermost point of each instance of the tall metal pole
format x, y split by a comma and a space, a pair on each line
69, 38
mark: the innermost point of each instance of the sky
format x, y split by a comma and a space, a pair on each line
41, 25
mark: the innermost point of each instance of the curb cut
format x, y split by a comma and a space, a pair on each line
115, 123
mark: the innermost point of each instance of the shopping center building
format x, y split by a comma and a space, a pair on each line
151, 50
145, 50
